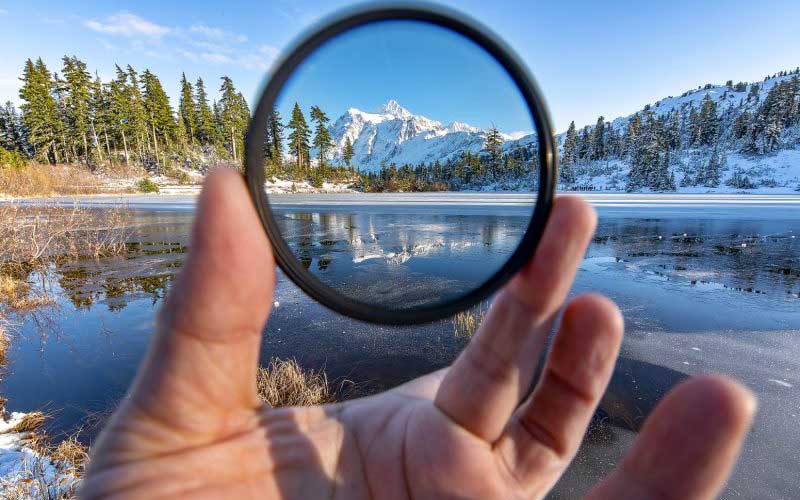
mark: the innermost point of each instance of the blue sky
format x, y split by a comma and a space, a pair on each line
429, 70
590, 58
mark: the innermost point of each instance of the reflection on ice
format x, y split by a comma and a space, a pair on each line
410, 258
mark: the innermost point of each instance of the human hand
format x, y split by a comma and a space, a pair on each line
193, 426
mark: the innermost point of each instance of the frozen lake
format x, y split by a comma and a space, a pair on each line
706, 283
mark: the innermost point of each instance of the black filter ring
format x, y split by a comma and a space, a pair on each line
255, 158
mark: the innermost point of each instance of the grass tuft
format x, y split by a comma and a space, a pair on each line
466, 323
47, 180
31, 422
70, 455
285, 383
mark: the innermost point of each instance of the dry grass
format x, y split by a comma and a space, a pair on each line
35, 238
47, 180
5, 343
31, 235
70, 455
38, 480
466, 323
31, 422
285, 383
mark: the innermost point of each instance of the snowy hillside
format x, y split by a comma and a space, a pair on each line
392, 134
716, 138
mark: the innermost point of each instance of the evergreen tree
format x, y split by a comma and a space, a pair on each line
632, 134
59, 91
673, 131
39, 112
275, 133
711, 176
233, 116
120, 109
598, 145
13, 136
569, 155
137, 119
160, 118
708, 122
322, 138
187, 111
205, 124
347, 152
649, 167
299, 137
99, 114
77, 102
493, 145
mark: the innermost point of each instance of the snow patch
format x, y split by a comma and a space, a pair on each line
25, 471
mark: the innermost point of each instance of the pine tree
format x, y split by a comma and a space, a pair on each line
160, 118
206, 130
99, 114
77, 102
137, 119
120, 109
347, 152
13, 136
711, 176
708, 122
569, 155
322, 140
275, 133
187, 111
299, 137
493, 145
59, 91
232, 116
648, 168
39, 112
598, 145
673, 131
754, 93
694, 126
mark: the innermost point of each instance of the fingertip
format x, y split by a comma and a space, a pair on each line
724, 403
587, 344
594, 312
220, 185
575, 210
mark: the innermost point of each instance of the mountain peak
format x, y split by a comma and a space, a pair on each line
393, 108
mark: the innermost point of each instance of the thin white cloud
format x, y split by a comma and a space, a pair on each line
199, 42
216, 33
128, 25
106, 45
52, 20
188, 54
269, 51
3, 12
216, 57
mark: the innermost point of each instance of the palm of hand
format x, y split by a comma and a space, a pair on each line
192, 425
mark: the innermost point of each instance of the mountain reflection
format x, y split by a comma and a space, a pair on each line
413, 252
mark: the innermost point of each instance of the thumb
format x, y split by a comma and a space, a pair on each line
201, 366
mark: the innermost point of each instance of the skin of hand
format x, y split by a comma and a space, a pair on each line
192, 425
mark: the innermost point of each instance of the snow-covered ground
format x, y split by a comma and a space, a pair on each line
776, 173
286, 186
25, 473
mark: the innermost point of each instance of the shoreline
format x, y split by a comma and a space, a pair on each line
609, 205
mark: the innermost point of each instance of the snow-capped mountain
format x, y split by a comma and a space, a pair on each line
392, 134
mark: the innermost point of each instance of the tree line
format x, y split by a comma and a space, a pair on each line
72, 117
649, 142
